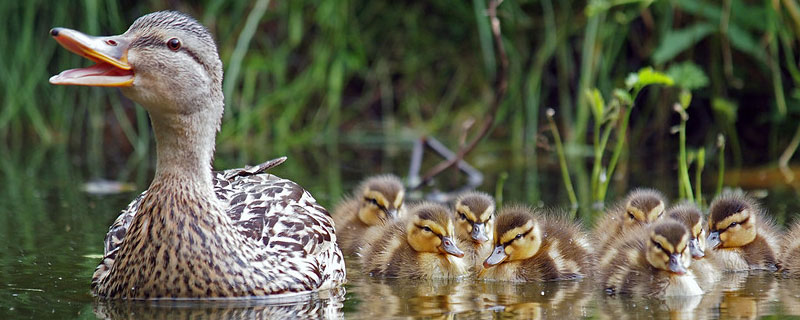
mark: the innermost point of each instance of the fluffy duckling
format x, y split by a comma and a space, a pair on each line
474, 226
537, 247
640, 207
420, 246
790, 258
692, 218
653, 261
740, 235
376, 200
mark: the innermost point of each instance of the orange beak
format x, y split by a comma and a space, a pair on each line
109, 53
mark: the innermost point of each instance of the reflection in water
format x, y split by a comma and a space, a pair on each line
323, 305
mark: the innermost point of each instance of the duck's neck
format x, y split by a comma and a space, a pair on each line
185, 149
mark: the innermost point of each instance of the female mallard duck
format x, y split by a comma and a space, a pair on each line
740, 235
640, 207
536, 247
474, 225
692, 218
377, 199
790, 253
197, 233
652, 261
420, 246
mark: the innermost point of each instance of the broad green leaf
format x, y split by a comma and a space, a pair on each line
688, 75
676, 41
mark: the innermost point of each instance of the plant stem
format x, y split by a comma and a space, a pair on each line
683, 178
562, 160
701, 162
721, 172
621, 135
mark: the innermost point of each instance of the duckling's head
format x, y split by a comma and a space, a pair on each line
430, 229
381, 199
690, 216
166, 61
668, 247
475, 216
731, 221
643, 206
517, 236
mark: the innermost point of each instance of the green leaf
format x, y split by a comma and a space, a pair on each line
597, 102
688, 75
648, 76
685, 98
631, 80
623, 96
676, 41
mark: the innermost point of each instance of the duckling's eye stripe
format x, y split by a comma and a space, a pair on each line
658, 245
515, 238
733, 224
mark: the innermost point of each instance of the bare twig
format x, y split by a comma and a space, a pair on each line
501, 85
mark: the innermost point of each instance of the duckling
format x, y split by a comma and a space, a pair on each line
740, 235
653, 261
420, 246
529, 246
474, 226
790, 258
692, 218
376, 200
641, 207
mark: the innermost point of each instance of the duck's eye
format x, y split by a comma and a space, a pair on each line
425, 228
630, 215
658, 245
174, 44
733, 224
519, 236
462, 216
372, 201
111, 43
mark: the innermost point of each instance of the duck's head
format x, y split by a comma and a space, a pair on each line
166, 61
517, 236
381, 199
430, 229
668, 247
643, 206
691, 217
475, 216
731, 221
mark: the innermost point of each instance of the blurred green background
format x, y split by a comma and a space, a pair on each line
344, 87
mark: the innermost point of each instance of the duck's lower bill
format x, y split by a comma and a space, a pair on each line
109, 53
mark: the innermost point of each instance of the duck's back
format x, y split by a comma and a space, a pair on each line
293, 234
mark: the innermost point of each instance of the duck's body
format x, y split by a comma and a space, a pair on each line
790, 251
640, 207
474, 226
692, 218
741, 237
537, 247
195, 233
376, 200
421, 246
651, 261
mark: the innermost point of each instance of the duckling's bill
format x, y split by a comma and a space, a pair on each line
110, 54
498, 256
449, 247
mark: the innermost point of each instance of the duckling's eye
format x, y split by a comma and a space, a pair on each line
630, 215
733, 224
174, 44
425, 228
372, 201
658, 245
462, 216
519, 236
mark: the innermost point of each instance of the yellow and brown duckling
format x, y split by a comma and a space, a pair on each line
474, 217
790, 258
740, 235
653, 261
530, 246
640, 207
420, 246
376, 200
692, 218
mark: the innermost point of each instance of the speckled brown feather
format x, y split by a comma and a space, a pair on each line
611, 225
562, 240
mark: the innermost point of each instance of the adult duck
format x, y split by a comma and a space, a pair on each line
195, 233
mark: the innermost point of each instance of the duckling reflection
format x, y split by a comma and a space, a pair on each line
788, 296
674, 307
568, 299
747, 296
325, 304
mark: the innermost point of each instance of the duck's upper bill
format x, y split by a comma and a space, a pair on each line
109, 53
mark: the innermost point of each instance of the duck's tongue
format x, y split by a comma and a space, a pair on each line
110, 54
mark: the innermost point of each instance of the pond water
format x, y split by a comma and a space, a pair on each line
51, 234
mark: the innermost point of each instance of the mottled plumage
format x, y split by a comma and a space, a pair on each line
741, 237
375, 201
640, 207
196, 233
420, 246
536, 246
651, 261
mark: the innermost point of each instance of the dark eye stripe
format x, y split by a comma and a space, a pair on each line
151, 41
512, 240
733, 224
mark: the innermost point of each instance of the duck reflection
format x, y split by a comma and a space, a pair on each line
322, 305
534, 300
747, 295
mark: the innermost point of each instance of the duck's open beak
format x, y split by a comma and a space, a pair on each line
449, 247
109, 53
498, 256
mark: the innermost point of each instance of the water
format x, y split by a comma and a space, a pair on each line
51, 235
